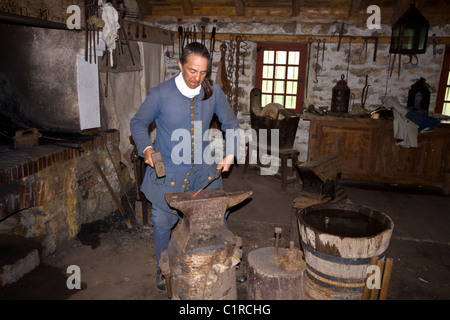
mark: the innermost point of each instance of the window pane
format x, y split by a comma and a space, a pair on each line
281, 57
279, 99
279, 87
291, 87
446, 109
280, 72
292, 73
267, 86
447, 94
268, 56
265, 99
294, 57
291, 102
268, 72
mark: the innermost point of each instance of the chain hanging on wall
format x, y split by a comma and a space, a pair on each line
237, 49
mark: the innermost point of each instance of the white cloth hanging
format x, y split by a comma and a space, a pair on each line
111, 27
405, 131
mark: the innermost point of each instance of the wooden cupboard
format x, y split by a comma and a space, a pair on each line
367, 151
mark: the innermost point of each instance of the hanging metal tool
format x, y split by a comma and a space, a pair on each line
399, 65
123, 37
411, 58
316, 69
363, 49
323, 51
212, 42
203, 35
86, 26
180, 40
226, 87
433, 41
375, 49
341, 33
310, 41
365, 91
349, 54
230, 68
91, 21
236, 74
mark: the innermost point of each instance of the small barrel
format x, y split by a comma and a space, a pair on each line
338, 240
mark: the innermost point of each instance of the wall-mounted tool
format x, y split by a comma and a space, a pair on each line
316, 69
212, 42
349, 53
341, 33
180, 40
310, 42
203, 35
364, 47
323, 50
365, 91
433, 41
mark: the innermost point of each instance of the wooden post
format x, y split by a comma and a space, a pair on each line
386, 278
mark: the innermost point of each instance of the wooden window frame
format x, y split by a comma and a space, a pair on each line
303, 48
440, 98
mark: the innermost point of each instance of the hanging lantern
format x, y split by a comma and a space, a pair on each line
410, 33
340, 96
419, 95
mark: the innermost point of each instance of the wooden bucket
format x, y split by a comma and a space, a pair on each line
338, 240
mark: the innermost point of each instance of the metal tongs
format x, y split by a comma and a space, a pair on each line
218, 173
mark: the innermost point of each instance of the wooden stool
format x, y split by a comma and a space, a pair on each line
284, 155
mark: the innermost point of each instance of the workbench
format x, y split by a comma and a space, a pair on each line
367, 151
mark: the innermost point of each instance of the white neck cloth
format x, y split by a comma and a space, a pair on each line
184, 89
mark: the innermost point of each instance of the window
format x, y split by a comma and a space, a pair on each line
443, 94
280, 70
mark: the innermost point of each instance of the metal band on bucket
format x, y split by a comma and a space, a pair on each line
340, 260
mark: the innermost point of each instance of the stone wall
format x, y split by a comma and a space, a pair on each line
335, 63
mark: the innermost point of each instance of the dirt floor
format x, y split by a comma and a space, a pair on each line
117, 263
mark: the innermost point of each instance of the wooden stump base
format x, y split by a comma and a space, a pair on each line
266, 281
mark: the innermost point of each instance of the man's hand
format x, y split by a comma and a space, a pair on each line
147, 156
226, 163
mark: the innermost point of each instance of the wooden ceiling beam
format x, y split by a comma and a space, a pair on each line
354, 7
420, 4
400, 7
187, 7
305, 38
295, 8
144, 8
240, 7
